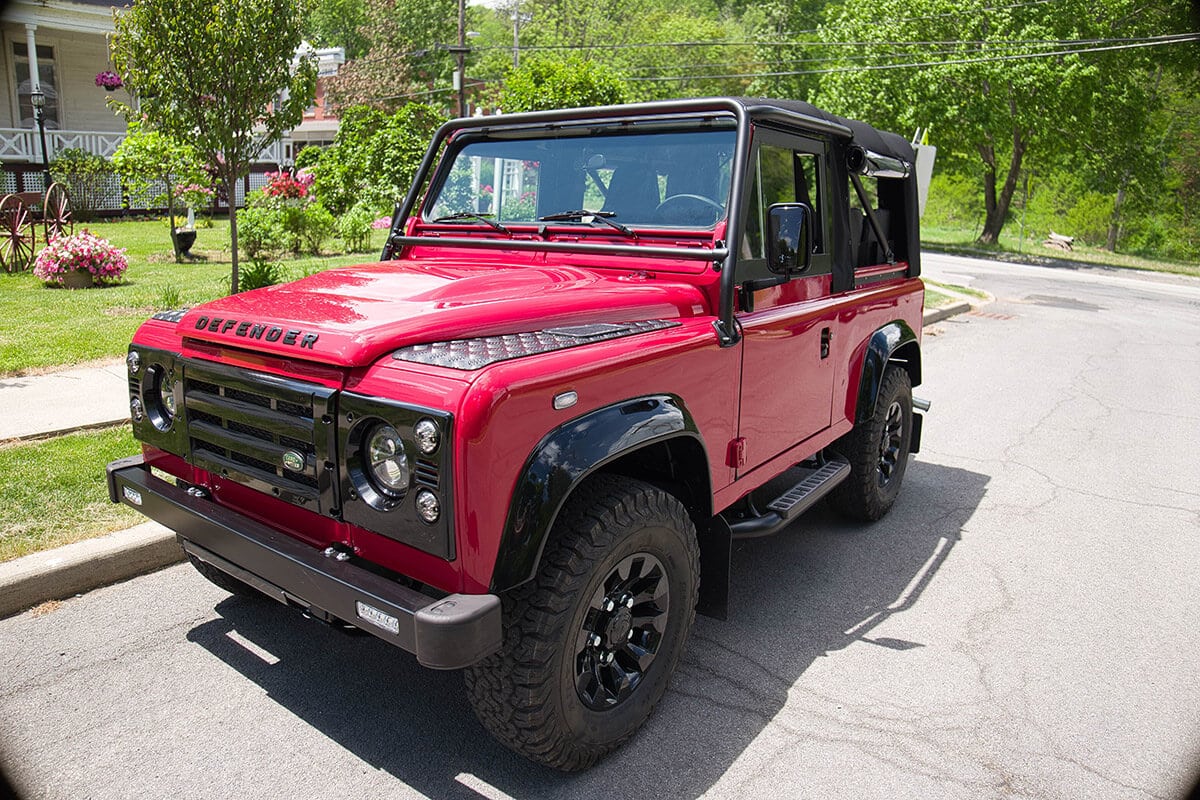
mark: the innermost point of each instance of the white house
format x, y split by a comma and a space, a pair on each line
70, 38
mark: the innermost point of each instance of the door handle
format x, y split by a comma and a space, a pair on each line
826, 336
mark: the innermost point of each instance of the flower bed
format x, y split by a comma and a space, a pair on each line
82, 259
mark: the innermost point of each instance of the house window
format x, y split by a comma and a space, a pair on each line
48, 76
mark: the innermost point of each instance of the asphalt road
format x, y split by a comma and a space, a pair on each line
1025, 623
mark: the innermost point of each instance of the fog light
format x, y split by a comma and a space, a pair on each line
133, 361
428, 436
428, 506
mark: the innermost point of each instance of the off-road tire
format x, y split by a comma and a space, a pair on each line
224, 579
526, 695
877, 452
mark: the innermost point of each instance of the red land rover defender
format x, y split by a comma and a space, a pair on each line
521, 443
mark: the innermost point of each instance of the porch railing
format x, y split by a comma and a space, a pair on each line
22, 145
21, 170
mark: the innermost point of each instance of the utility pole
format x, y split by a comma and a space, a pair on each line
460, 54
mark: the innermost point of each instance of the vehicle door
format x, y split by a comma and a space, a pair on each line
787, 375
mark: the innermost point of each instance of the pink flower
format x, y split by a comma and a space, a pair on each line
82, 252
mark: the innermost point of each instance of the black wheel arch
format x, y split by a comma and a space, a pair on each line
652, 438
893, 343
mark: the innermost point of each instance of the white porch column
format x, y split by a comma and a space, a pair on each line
35, 78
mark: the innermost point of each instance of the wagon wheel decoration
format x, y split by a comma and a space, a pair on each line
56, 212
16, 235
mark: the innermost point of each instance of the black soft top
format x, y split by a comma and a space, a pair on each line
862, 134
757, 109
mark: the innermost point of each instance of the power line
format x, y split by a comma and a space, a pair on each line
1191, 37
994, 46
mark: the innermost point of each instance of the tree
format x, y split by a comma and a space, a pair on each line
338, 23
988, 102
218, 74
153, 164
405, 56
374, 156
542, 85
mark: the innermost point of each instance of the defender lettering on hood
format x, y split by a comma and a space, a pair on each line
257, 330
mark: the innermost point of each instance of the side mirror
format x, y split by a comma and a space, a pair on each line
789, 238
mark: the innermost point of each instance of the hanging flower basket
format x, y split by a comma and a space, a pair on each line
108, 80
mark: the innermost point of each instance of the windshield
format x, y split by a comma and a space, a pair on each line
667, 178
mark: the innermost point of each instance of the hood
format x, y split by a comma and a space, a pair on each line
351, 317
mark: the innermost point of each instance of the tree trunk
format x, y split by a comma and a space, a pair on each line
171, 219
231, 198
1114, 222
997, 207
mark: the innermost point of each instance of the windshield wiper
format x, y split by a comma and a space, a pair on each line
465, 215
591, 216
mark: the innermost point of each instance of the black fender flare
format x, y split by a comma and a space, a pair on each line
564, 458
881, 346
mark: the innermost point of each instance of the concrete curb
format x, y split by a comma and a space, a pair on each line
90, 426
80, 567
945, 312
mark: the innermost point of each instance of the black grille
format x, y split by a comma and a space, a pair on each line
245, 425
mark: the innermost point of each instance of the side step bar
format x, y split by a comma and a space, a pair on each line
795, 501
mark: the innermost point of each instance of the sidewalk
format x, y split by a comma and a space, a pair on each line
40, 406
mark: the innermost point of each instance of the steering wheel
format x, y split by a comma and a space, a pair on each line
689, 209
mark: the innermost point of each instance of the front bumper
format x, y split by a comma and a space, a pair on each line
444, 633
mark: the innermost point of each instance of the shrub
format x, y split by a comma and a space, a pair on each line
87, 176
260, 231
80, 252
354, 227
259, 273
308, 157
317, 225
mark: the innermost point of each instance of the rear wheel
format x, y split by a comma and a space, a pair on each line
591, 641
877, 450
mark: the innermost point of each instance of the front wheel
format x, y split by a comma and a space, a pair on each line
223, 579
591, 641
877, 450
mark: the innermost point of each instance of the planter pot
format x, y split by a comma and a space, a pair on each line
111, 88
185, 239
77, 280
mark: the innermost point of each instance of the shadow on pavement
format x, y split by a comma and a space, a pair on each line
815, 588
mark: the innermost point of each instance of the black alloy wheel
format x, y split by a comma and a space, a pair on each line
626, 621
891, 443
877, 450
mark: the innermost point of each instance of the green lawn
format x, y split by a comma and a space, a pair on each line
961, 240
53, 492
42, 327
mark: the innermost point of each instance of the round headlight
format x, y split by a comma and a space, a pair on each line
158, 394
428, 506
386, 462
427, 435
166, 395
